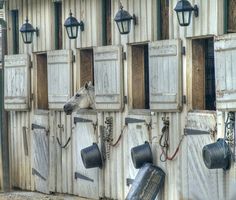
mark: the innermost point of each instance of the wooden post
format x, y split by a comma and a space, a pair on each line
4, 144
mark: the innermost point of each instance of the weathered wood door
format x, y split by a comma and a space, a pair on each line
202, 183
17, 82
165, 75
40, 151
225, 72
84, 135
137, 133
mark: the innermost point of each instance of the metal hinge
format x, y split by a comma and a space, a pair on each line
183, 51
184, 99
81, 176
124, 55
31, 64
73, 58
81, 120
31, 97
129, 181
129, 120
125, 99
35, 172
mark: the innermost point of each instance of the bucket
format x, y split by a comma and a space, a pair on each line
91, 156
217, 155
141, 154
147, 183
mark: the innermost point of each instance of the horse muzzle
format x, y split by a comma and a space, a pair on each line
68, 109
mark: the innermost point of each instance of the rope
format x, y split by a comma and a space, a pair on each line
63, 146
119, 138
165, 144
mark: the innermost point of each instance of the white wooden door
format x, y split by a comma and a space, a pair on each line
59, 78
17, 82
225, 72
202, 183
108, 76
137, 134
40, 151
84, 135
165, 75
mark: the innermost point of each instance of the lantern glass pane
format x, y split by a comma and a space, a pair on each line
27, 37
126, 25
74, 31
69, 31
186, 15
180, 17
120, 27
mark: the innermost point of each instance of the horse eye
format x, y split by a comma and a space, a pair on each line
77, 95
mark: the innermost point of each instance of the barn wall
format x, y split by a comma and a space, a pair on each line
62, 163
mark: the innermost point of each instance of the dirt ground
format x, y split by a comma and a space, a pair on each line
18, 195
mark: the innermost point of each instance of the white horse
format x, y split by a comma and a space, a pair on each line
84, 98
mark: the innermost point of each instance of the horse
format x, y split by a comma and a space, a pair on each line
84, 98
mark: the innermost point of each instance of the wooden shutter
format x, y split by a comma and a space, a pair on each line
108, 75
165, 75
17, 82
59, 78
225, 72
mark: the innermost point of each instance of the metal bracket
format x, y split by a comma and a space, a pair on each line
36, 126
184, 99
82, 120
124, 55
183, 51
129, 181
35, 172
81, 176
129, 120
125, 99
188, 131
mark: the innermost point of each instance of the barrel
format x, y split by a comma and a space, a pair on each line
91, 156
141, 154
217, 155
147, 184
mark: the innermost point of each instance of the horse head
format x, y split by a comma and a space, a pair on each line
84, 98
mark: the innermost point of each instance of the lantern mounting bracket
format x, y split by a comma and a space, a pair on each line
37, 31
195, 10
81, 25
135, 19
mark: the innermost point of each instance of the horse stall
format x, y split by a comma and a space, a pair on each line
167, 87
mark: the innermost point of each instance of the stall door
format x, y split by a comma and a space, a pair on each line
137, 134
40, 151
84, 135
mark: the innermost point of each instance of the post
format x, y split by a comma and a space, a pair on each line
4, 143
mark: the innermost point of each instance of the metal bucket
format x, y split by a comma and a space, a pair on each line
91, 156
141, 154
147, 184
217, 155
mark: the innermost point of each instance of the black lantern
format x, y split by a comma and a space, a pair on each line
27, 32
72, 26
2, 3
184, 11
123, 20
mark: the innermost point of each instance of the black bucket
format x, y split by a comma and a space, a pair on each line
217, 155
91, 156
147, 184
141, 154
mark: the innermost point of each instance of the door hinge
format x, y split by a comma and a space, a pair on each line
124, 55
31, 64
183, 51
81, 176
31, 97
73, 58
184, 99
125, 99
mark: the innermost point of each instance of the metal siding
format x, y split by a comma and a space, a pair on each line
209, 21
